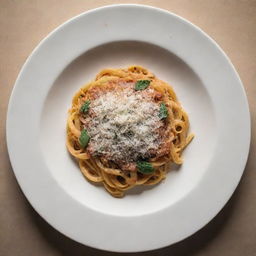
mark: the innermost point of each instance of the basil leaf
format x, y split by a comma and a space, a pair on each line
85, 107
163, 112
145, 167
141, 84
84, 138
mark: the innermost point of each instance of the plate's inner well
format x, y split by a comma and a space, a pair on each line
192, 95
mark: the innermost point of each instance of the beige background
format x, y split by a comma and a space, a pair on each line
24, 23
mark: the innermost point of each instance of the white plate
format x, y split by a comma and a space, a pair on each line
207, 86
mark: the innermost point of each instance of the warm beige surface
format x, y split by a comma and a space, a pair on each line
24, 23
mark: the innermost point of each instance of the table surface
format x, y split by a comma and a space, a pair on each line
232, 23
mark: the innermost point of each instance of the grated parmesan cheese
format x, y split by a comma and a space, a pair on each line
123, 125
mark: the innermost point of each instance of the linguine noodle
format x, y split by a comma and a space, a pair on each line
117, 173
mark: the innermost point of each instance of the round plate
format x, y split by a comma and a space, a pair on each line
208, 87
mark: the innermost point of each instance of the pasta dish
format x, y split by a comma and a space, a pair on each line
125, 128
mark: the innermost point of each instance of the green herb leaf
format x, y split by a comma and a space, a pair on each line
145, 167
141, 84
84, 138
85, 107
163, 113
